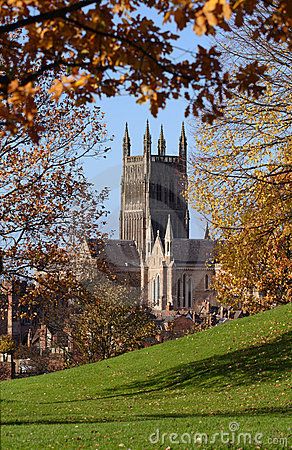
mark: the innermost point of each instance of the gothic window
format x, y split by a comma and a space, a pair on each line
158, 192
149, 248
168, 247
158, 288
184, 290
206, 282
189, 293
171, 194
153, 291
178, 293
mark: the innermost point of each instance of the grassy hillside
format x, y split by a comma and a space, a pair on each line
232, 379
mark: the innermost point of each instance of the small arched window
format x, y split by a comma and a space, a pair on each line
158, 192
184, 290
189, 293
171, 193
206, 282
157, 289
178, 293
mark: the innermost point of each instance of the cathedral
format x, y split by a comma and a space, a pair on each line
154, 256
172, 271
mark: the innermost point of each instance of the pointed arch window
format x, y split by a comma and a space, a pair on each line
171, 193
157, 289
206, 282
158, 192
184, 290
189, 293
178, 292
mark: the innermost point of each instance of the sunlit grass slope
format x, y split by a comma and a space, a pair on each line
231, 378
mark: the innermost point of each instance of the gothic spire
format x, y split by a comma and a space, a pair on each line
161, 143
207, 232
149, 231
147, 140
183, 146
126, 142
168, 238
168, 231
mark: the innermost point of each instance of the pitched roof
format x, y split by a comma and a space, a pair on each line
118, 252
193, 251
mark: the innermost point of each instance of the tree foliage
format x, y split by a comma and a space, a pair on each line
105, 47
7, 344
45, 198
109, 323
242, 176
92, 317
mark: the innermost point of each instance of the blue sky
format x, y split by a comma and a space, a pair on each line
118, 111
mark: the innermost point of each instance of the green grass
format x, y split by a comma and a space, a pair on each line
234, 373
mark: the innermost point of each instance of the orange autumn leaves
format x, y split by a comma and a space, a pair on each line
108, 48
242, 179
42, 186
213, 13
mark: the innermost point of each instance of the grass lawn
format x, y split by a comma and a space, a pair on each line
232, 380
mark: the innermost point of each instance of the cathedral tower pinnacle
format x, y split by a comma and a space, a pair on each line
126, 142
207, 232
168, 237
149, 237
147, 140
183, 147
161, 143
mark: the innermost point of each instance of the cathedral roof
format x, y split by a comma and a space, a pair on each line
193, 251
118, 252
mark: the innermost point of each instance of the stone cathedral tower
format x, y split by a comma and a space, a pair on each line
152, 189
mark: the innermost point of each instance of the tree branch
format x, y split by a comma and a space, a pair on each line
56, 13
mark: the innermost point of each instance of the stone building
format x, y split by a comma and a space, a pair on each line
121, 257
174, 272
177, 272
154, 255
152, 188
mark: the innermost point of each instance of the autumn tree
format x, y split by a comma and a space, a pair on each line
242, 176
105, 47
112, 321
93, 317
46, 203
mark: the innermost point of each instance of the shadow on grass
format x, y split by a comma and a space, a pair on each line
239, 368
255, 364
148, 417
